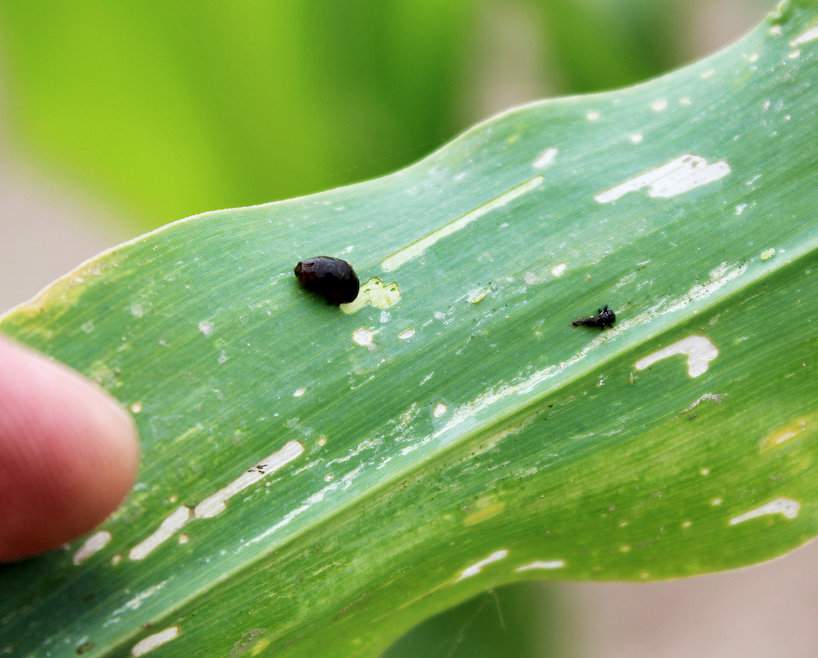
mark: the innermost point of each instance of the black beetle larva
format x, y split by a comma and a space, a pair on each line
604, 318
332, 278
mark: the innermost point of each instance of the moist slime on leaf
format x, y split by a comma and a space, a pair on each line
331, 278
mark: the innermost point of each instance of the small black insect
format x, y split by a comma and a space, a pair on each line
332, 278
604, 318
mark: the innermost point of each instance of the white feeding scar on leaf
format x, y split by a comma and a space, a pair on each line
92, 545
786, 507
698, 349
418, 248
156, 640
719, 277
169, 527
545, 158
707, 397
318, 497
676, 177
216, 504
541, 565
363, 337
477, 295
136, 602
477, 567
810, 35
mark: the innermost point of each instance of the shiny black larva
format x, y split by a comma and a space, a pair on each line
331, 278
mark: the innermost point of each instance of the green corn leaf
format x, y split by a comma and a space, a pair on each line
316, 480
516, 621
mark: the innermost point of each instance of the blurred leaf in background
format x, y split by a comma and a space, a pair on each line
515, 621
168, 109
599, 44
175, 108
596, 45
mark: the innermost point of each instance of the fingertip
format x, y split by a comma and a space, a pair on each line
69, 453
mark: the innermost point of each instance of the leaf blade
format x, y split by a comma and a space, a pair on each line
493, 438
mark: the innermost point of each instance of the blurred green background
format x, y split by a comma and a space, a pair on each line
117, 117
167, 109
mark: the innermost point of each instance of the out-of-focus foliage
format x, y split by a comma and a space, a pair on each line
510, 622
593, 45
172, 108
628, 40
